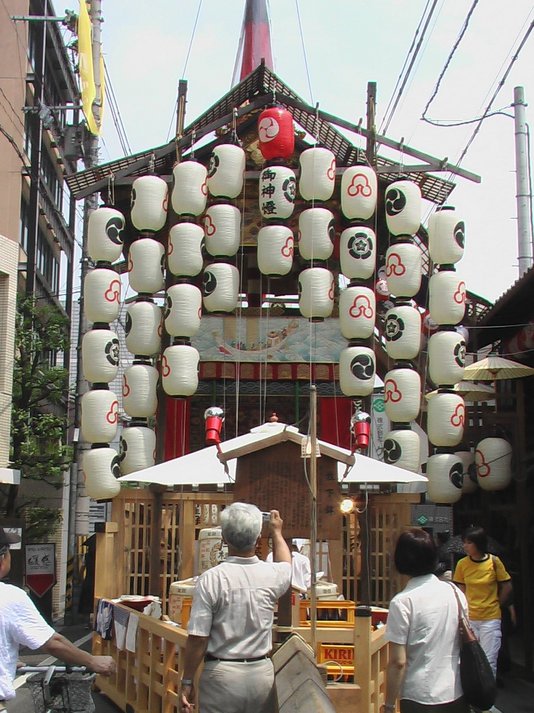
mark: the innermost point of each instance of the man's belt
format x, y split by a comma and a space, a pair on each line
209, 657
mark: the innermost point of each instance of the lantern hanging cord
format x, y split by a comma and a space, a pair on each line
111, 188
304, 52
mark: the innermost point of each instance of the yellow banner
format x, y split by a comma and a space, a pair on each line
85, 59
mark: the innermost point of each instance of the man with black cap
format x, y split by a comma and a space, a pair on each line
22, 625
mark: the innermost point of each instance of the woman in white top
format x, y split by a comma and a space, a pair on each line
422, 626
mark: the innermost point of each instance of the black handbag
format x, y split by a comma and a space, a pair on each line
476, 674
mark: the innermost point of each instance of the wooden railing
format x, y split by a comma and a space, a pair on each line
148, 680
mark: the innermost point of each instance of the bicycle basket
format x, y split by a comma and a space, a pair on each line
66, 692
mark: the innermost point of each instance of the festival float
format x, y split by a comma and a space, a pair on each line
278, 267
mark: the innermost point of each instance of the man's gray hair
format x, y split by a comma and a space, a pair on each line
241, 525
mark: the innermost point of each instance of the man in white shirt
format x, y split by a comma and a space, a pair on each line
300, 569
231, 620
22, 625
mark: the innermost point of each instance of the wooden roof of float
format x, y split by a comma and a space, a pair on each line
243, 102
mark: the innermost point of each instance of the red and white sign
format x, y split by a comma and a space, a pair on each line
40, 567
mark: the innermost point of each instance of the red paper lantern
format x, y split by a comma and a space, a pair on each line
275, 133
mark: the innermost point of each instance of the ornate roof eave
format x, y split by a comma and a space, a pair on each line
262, 87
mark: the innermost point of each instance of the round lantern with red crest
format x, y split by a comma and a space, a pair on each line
276, 133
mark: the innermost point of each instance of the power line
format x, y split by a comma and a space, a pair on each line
116, 115
496, 92
448, 61
393, 103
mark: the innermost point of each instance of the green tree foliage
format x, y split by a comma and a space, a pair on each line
39, 413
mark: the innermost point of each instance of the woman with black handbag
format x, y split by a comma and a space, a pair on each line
424, 662
487, 586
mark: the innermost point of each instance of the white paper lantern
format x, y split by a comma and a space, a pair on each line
102, 295
357, 252
316, 234
470, 481
220, 287
402, 447
139, 390
316, 293
149, 203
222, 229
143, 328
100, 355
359, 191
402, 332
179, 370
226, 171
275, 250
446, 419
137, 449
184, 251
277, 191
445, 477
402, 394
189, 191
357, 311
100, 470
404, 269
447, 295
446, 357
446, 236
104, 234
183, 310
357, 369
317, 174
99, 416
493, 458
403, 208
145, 266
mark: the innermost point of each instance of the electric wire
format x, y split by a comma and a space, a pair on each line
387, 119
116, 114
449, 60
496, 92
188, 54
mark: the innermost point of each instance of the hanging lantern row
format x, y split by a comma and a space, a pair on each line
100, 352
453, 474
402, 323
446, 416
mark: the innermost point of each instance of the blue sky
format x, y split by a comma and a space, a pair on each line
347, 43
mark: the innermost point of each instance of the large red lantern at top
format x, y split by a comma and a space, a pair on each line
275, 133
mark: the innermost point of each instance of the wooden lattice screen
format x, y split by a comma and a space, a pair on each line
183, 515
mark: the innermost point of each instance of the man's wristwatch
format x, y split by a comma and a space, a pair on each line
187, 682
390, 707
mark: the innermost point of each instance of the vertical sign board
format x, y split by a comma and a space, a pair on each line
40, 566
379, 426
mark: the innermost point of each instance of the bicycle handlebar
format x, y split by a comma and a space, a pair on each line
53, 668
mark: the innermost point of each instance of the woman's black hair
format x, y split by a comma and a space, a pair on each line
477, 536
415, 553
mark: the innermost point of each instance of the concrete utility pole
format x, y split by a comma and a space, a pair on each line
91, 203
523, 197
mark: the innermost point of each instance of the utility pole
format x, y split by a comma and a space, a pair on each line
90, 203
523, 197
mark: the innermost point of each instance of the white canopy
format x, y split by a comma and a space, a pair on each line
204, 467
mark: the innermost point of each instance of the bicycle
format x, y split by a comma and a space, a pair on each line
60, 689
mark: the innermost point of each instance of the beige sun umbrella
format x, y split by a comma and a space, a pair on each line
495, 367
471, 391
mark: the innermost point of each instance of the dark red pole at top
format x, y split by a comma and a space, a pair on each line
255, 40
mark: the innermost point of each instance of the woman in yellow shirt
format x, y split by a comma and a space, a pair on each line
487, 585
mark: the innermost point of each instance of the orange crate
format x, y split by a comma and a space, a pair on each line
336, 613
